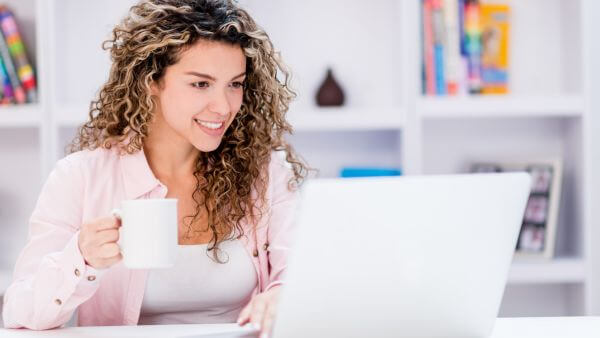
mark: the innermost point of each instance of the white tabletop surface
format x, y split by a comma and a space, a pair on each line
165, 331
563, 327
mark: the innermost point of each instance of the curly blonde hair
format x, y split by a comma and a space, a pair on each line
152, 38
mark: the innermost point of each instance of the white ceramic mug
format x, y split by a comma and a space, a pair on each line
148, 233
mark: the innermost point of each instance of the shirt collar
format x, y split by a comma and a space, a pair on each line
138, 178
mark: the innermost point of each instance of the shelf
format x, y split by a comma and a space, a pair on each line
346, 119
560, 270
29, 115
501, 106
5, 279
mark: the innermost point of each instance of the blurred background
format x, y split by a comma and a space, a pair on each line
385, 87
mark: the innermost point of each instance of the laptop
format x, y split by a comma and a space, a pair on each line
420, 256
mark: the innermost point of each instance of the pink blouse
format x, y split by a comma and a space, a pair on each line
51, 279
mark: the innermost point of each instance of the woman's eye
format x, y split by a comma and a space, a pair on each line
201, 84
237, 85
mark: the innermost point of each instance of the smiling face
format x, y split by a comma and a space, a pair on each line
200, 95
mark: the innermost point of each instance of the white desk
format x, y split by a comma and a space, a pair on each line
162, 331
564, 327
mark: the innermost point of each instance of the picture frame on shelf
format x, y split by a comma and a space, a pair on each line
537, 236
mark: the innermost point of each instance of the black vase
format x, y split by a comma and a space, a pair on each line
330, 93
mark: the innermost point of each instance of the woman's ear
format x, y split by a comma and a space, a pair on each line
154, 88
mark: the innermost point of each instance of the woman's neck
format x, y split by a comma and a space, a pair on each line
169, 156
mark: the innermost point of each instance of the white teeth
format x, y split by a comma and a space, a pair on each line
210, 125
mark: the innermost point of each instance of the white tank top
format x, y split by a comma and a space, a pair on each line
199, 290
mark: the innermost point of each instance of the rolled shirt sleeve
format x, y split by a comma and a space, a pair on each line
51, 277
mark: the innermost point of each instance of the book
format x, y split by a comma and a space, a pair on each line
452, 64
16, 49
495, 39
461, 26
8, 96
428, 59
472, 46
463, 78
18, 91
439, 42
465, 47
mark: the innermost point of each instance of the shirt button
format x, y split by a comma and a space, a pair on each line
266, 246
91, 278
255, 253
77, 273
58, 302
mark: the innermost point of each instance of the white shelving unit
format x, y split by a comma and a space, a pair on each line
501, 107
374, 50
19, 117
562, 270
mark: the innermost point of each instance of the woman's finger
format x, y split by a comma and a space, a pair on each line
106, 223
107, 236
109, 250
258, 313
244, 316
113, 260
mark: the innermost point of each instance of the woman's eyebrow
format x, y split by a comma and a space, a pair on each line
206, 76
239, 75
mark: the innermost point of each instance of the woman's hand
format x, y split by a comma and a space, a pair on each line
261, 311
98, 242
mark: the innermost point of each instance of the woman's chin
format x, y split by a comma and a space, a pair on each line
206, 147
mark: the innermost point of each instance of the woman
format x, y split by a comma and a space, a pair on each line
193, 109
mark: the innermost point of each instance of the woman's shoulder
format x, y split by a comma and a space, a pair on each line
280, 169
89, 159
281, 174
76, 170
278, 162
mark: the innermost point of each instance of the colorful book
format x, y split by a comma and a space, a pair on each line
19, 92
464, 79
439, 42
452, 64
461, 20
495, 38
428, 58
16, 48
472, 27
8, 96
465, 47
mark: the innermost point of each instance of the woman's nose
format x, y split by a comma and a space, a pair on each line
219, 103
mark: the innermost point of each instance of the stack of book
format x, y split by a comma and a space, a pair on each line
465, 47
17, 79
